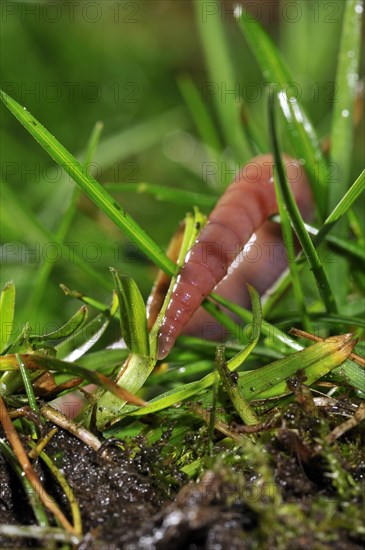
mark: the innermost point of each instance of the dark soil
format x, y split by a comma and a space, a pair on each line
128, 501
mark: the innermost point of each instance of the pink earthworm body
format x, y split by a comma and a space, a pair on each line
237, 230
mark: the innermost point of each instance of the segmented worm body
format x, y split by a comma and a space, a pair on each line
238, 219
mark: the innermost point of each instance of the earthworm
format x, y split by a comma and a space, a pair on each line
239, 217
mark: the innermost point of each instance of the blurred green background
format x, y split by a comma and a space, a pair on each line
74, 63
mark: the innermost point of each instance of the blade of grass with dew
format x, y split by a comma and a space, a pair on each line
132, 313
222, 77
166, 194
296, 219
342, 130
7, 309
290, 251
90, 186
305, 142
314, 362
342, 207
333, 319
45, 269
346, 80
36, 232
344, 246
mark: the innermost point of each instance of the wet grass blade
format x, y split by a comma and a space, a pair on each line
303, 136
132, 310
290, 251
45, 269
28, 387
166, 194
201, 116
297, 222
342, 130
346, 202
71, 326
89, 185
313, 363
321, 234
222, 77
7, 308
346, 80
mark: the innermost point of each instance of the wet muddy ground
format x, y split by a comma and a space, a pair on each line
277, 495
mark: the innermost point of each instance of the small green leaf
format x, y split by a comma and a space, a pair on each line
66, 330
133, 320
77, 344
7, 307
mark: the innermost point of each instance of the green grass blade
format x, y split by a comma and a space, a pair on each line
296, 219
45, 269
77, 344
241, 406
27, 382
352, 374
201, 116
305, 142
342, 129
166, 194
346, 80
344, 245
290, 251
275, 335
90, 186
222, 78
314, 362
7, 308
66, 330
343, 206
132, 309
